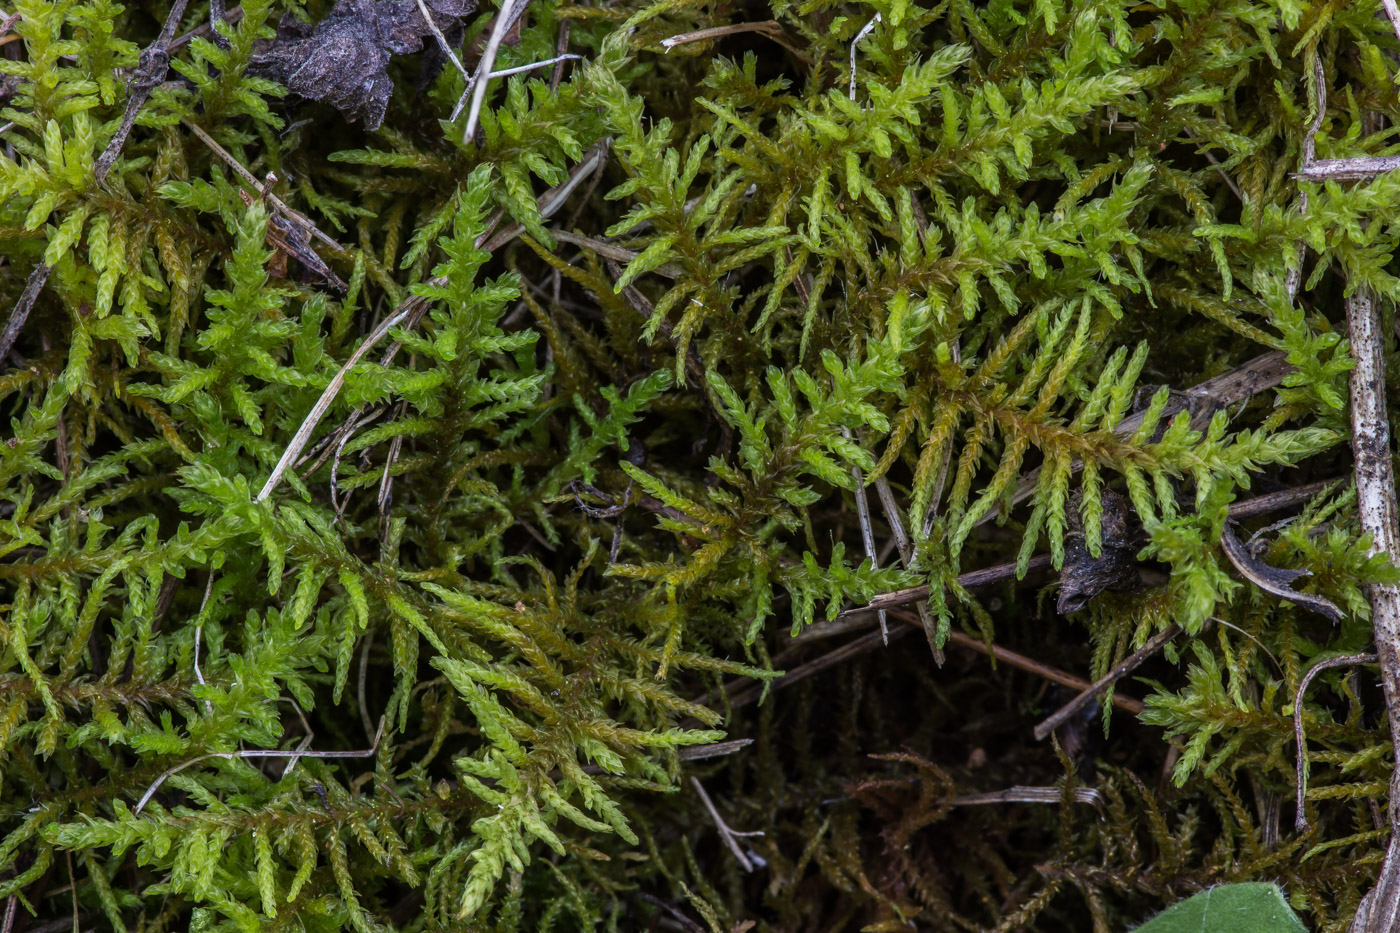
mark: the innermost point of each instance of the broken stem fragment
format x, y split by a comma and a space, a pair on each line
150, 72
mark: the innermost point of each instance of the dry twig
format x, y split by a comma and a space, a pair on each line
511, 10
1020, 794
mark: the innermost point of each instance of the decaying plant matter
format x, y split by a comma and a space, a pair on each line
495, 468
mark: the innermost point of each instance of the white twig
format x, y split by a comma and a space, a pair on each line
1392, 12
725, 833
866, 30
571, 57
1376, 507
290, 213
257, 753
441, 39
1022, 794
510, 11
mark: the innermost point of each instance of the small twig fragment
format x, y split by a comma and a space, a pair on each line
1021, 794
511, 10
150, 72
35, 284
865, 30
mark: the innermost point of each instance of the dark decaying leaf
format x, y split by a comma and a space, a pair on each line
344, 59
1085, 576
1275, 580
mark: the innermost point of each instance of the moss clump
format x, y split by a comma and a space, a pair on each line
701, 339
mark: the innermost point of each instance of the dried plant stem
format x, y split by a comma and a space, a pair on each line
323, 404
867, 533
257, 753
545, 63
770, 28
1300, 818
441, 39
906, 556
1022, 794
1119, 671
865, 30
1375, 494
743, 696
233, 15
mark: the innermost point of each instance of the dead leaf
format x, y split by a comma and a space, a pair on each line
344, 59
1275, 580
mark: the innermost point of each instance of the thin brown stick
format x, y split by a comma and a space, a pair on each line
769, 28
608, 250
874, 640
1375, 495
231, 16
151, 70
561, 48
1283, 499
1300, 818
1119, 671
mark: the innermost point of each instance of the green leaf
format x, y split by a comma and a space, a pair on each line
1254, 907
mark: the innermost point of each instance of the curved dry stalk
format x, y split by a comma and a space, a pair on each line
1300, 818
257, 753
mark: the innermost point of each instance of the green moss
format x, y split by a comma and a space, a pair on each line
618, 454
